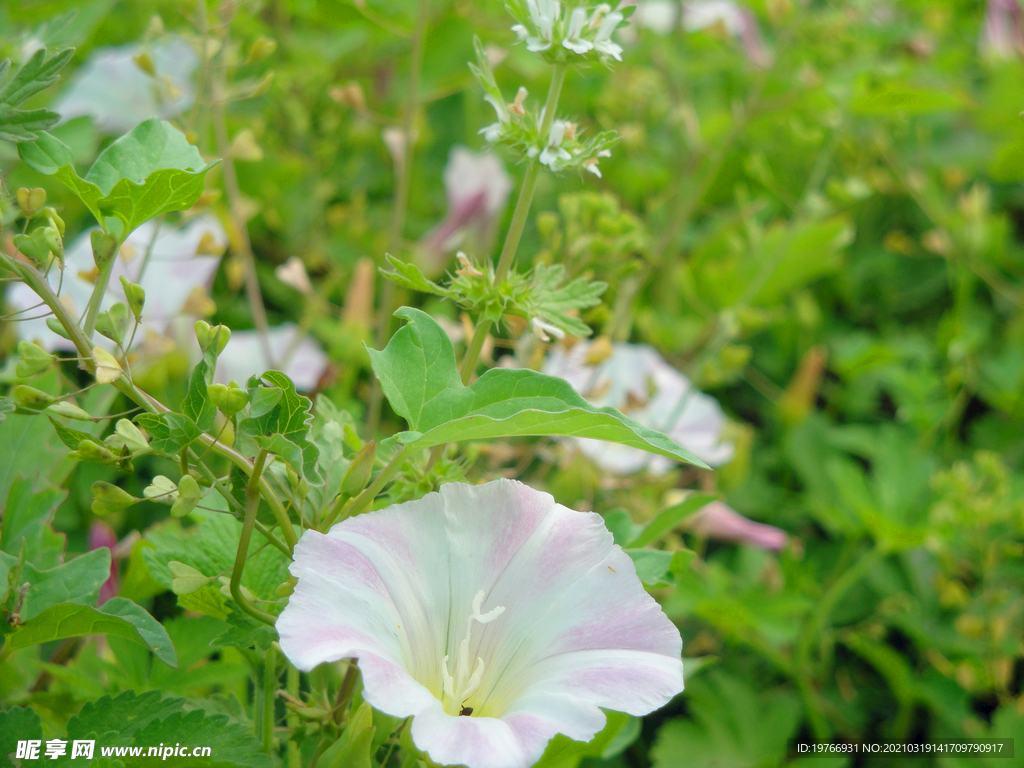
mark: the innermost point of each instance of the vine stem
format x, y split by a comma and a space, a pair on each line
31, 277
401, 202
98, 291
252, 502
269, 685
294, 755
519, 216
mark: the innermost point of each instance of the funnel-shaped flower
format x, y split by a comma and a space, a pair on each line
491, 601
635, 379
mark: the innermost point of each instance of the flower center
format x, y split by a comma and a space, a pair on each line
458, 687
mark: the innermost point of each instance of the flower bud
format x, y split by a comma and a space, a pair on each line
359, 471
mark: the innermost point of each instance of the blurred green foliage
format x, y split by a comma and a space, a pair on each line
832, 245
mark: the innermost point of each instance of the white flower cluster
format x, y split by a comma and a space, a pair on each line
544, 27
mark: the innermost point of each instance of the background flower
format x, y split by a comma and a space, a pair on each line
635, 379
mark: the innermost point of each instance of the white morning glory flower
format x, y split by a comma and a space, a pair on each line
573, 37
635, 379
112, 89
490, 601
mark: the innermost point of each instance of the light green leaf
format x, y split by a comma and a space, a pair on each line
656, 567
118, 617
27, 515
419, 376
669, 518
34, 76
77, 581
245, 632
290, 417
149, 171
169, 433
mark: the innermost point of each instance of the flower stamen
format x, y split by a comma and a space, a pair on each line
463, 684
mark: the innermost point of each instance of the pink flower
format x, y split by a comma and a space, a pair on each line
1002, 36
478, 189
717, 521
491, 601
102, 535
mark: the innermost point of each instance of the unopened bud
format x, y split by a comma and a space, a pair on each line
136, 296
359, 471
32, 398
107, 498
207, 335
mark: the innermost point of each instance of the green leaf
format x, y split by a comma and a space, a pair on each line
77, 581
246, 632
147, 172
117, 617
169, 433
17, 724
419, 376
146, 720
559, 304
657, 568
34, 76
210, 548
26, 530
290, 417
197, 405
669, 518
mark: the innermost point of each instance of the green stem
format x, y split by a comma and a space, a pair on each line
365, 499
294, 755
519, 216
32, 278
269, 686
252, 501
98, 292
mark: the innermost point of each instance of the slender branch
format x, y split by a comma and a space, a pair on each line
294, 755
519, 216
252, 501
269, 686
99, 290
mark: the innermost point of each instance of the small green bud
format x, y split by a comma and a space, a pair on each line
260, 49
32, 359
104, 247
185, 579
359, 471
31, 201
107, 497
58, 222
136, 296
32, 398
90, 451
207, 335
69, 411
229, 399
287, 587
114, 323
189, 495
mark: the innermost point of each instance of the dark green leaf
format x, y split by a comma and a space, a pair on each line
669, 518
245, 632
169, 433
72, 438
26, 530
17, 724
77, 581
118, 617
197, 405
